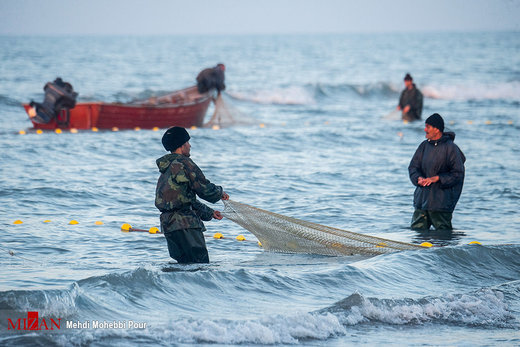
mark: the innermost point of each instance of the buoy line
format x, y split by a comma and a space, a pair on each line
154, 230
217, 127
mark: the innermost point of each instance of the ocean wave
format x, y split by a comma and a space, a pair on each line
481, 261
367, 90
51, 302
137, 295
312, 93
460, 266
287, 329
474, 91
293, 95
486, 307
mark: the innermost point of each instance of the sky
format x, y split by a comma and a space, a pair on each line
206, 17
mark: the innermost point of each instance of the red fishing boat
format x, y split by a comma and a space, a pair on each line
186, 108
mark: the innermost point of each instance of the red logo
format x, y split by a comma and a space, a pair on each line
32, 322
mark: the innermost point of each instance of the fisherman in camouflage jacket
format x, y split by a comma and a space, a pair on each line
179, 184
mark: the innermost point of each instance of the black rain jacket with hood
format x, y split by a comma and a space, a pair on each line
445, 159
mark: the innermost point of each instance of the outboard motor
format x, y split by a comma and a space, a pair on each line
59, 96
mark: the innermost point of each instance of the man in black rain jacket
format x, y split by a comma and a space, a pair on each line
437, 171
411, 101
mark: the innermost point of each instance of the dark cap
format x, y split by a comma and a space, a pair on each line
436, 121
175, 137
408, 77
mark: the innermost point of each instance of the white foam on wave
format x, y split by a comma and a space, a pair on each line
485, 307
284, 329
500, 91
270, 330
280, 96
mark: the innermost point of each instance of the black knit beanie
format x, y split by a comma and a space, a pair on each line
408, 77
175, 137
436, 121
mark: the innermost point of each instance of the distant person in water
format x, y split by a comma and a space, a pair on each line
411, 100
437, 171
211, 78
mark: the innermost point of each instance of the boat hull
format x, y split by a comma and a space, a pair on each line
183, 108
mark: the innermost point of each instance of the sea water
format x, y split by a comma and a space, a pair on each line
321, 150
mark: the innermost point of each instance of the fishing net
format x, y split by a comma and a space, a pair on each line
226, 114
280, 233
394, 115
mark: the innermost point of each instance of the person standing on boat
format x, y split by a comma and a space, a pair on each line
178, 186
411, 100
437, 171
211, 78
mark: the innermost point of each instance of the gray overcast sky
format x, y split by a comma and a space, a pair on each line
145, 17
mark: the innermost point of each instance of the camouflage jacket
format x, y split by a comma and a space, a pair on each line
180, 183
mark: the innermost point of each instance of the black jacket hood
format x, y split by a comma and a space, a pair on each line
446, 136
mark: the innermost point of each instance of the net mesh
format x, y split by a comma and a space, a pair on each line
279, 233
226, 114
